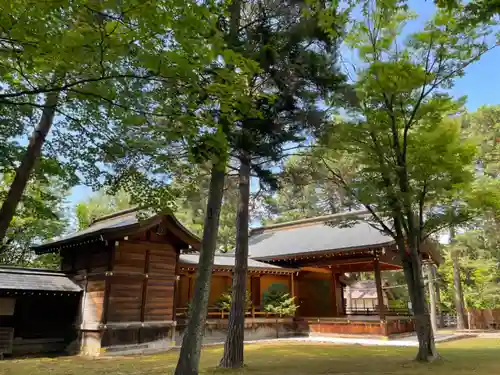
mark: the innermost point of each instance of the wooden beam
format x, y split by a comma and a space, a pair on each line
342, 305
145, 286
380, 293
315, 269
334, 294
173, 227
144, 297
107, 287
390, 258
332, 262
176, 286
126, 325
190, 281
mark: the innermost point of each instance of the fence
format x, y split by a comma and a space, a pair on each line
218, 313
484, 318
374, 311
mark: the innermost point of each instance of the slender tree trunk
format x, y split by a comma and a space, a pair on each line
458, 295
233, 347
432, 297
440, 321
189, 357
412, 267
27, 165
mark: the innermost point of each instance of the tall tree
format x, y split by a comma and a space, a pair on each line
304, 192
458, 294
100, 204
293, 77
482, 126
411, 161
189, 356
191, 205
42, 215
227, 115
101, 69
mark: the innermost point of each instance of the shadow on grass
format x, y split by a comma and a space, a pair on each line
464, 357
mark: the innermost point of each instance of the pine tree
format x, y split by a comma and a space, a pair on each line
293, 77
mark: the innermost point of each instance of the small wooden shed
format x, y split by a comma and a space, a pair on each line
38, 309
127, 269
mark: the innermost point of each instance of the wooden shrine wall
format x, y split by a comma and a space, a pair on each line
142, 285
127, 284
267, 281
88, 264
221, 282
315, 295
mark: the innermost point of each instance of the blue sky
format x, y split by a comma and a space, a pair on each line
481, 83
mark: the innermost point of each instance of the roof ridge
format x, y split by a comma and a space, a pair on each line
114, 214
317, 219
14, 269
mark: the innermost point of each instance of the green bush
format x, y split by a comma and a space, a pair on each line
225, 300
279, 303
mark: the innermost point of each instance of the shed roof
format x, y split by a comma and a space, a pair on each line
119, 222
339, 232
12, 278
228, 260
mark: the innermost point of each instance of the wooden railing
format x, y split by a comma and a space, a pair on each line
374, 311
218, 313
258, 312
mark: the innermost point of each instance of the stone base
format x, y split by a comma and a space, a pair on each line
125, 340
90, 345
255, 329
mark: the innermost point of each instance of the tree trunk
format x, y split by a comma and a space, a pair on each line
189, 357
412, 267
432, 297
27, 165
458, 295
233, 347
440, 321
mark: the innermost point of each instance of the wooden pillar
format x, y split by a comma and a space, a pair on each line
255, 290
144, 295
107, 290
190, 282
378, 283
176, 287
292, 285
335, 307
145, 286
349, 308
342, 307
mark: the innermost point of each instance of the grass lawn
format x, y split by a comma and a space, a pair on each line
470, 356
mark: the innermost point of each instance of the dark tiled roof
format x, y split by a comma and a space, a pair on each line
36, 280
326, 233
123, 220
228, 261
